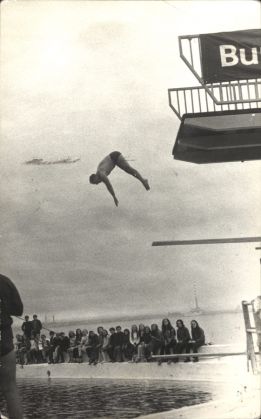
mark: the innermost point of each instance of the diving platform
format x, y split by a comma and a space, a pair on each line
220, 117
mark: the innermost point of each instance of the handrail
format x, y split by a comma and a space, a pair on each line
197, 99
190, 53
198, 354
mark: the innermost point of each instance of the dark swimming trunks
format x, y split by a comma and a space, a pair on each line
114, 156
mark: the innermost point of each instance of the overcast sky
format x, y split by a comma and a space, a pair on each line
80, 79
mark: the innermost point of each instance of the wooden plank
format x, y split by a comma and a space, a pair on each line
206, 241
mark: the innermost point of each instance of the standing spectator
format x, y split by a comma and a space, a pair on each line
27, 328
10, 305
198, 338
156, 339
183, 340
36, 327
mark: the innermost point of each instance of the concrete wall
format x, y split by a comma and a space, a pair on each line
228, 369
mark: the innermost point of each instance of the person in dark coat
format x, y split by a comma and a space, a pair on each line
183, 337
156, 339
127, 347
27, 328
62, 347
92, 348
52, 347
78, 340
101, 339
111, 344
10, 305
45, 346
147, 343
36, 327
118, 344
198, 338
168, 337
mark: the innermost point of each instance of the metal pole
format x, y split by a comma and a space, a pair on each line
207, 241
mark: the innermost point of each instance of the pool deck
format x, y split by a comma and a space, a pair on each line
241, 398
239, 403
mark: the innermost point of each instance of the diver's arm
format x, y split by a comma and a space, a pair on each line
106, 181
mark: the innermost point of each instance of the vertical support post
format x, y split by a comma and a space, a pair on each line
249, 337
256, 307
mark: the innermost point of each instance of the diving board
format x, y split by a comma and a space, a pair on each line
207, 241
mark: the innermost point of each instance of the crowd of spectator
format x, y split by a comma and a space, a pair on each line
137, 344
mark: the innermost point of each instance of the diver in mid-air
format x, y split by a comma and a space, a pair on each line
107, 165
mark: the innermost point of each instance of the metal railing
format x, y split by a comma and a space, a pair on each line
237, 91
231, 96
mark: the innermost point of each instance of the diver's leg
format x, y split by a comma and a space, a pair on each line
124, 165
8, 385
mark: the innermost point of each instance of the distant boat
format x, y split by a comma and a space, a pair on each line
196, 310
38, 162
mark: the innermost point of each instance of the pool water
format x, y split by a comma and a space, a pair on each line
81, 398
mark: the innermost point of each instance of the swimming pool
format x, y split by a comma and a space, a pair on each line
90, 399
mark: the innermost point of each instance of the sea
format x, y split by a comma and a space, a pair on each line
83, 398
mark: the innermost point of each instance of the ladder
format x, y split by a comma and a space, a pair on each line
250, 330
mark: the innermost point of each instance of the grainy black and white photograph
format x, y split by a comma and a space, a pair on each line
130, 202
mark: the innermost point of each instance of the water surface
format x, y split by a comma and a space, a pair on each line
90, 399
